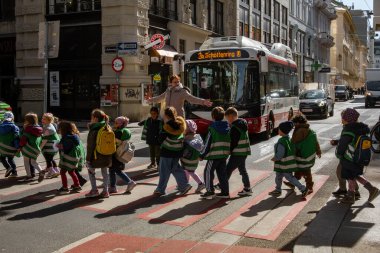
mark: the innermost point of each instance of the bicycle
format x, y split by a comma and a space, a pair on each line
375, 137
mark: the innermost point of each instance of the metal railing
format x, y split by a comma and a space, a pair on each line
73, 6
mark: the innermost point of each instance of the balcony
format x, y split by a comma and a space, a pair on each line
166, 13
72, 6
326, 39
321, 4
330, 13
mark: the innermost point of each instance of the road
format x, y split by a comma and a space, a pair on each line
34, 219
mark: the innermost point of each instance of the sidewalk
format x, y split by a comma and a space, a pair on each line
339, 228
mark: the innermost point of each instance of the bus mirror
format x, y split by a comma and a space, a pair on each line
264, 64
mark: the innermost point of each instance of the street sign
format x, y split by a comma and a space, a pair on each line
118, 64
325, 70
110, 49
157, 41
53, 29
127, 48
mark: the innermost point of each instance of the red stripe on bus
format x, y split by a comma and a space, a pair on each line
272, 59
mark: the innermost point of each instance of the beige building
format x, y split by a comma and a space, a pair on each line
349, 56
376, 15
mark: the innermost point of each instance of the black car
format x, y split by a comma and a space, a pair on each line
341, 92
316, 103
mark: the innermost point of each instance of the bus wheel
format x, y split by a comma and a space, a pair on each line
290, 114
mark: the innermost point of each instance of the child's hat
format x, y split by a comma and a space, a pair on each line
191, 126
350, 115
8, 116
286, 127
124, 121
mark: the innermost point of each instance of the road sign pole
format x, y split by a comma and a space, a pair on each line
46, 66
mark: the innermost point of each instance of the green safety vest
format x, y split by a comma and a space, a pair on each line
173, 143
50, 146
306, 151
74, 160
288, 163
192, 162
32, 148
349, 154
220, 145
243, 148
6, 145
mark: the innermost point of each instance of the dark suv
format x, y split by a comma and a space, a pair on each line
341, 92
316, 103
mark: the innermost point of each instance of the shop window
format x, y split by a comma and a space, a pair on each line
73, 6
7, 10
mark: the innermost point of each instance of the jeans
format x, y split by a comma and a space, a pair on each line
290, 178
218, 165
8, 162
121, 174
30, 166
239, 163
154, 151
170, 166
105, 179
50, 161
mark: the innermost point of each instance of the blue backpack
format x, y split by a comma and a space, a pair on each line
362, 154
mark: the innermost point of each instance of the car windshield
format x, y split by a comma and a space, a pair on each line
340, 87
314, 94
373, 85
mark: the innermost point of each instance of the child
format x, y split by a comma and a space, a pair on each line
151, 132
50, 139
351, 171
81, 179
121, 134
240, 149
307, 148
30, 146
193, 145
95, 160
72, 155
171, 139
284, 160
9, 142
216, 152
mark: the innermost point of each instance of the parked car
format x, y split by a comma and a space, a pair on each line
341, 92
316, 103
3, 108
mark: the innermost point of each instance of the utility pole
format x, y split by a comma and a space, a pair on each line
46, 66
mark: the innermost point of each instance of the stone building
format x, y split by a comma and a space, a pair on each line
376, 15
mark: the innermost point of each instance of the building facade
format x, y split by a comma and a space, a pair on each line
376, 15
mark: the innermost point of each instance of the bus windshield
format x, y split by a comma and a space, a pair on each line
227, 82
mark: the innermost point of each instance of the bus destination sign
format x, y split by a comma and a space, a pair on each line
220, 55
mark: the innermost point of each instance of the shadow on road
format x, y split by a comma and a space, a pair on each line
30, 200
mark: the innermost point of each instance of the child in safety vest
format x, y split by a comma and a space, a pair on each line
171, 139
30, 146
122, 133
216, 152
50, 139
352, 171
72, 155
285, 161
192, 147
151, 133
94, 159
9, 142
307, 148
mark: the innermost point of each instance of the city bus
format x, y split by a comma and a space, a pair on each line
236, 71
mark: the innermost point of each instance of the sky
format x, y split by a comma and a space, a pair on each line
360, 4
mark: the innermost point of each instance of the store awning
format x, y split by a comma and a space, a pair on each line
166, 51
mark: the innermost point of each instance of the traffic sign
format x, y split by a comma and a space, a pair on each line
126, 47
157, 41
118, 64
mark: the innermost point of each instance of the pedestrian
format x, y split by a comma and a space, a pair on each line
93, 158
72, 156
49, 148
240, 149
193, 145
151, 133
216, 152
285, 161
307, 149
171, 139
122, 133
176, 95
30, 146
82, 180
9, 144
352, 171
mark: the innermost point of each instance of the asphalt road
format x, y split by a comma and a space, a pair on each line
34, 219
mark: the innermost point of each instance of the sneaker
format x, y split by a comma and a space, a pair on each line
290, 185
222, 196
217, 187
339, 192
158, 193
41, 176
49, 174
152, 166
348, 199
200, 188
8, 172
55, 175
373, 193
357, 195
310, 191
82, 181
245, 192
104, 194
13, 175
112, 190
305, 192
28, 179
130, 187
76, 189
186, 190
63, 190
275, 193
92, 194
208, 195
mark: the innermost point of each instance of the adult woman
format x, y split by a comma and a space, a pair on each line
176, 95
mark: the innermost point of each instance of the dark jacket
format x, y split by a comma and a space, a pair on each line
102, 161
68, 142
8, 127
350, 170
222, 128
154, 127
235, 134
35, 130
172, 128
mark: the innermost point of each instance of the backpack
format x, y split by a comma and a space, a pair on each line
362, 153
125, 152
105, 141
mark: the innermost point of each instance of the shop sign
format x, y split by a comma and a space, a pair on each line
128, 48
110, 49
157, 41
219, 55
109, 95
157, 78
325, 70
118, 64
154, 59
54, 88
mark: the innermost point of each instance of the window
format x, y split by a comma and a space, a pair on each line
276, 11
243, 22
72, 6
284, 15
284, 36
215, 16
309, 17
267, 31
290, 38
276, 33
7, 10
164, 8
291, 4
182, 46
257, 4
193, 8
298, 8
219, 17
267, 9
309, 46
256, 27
